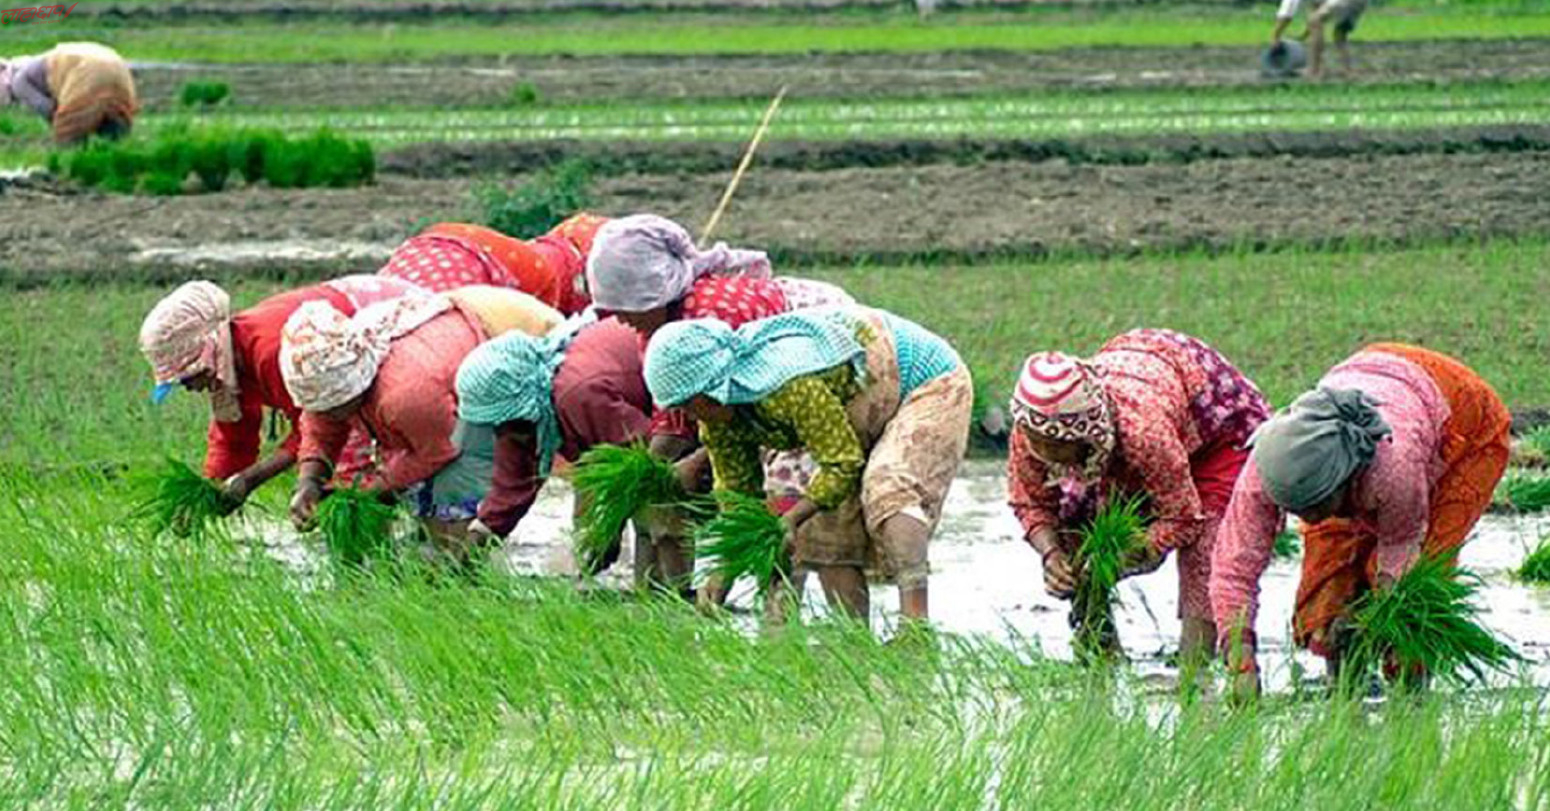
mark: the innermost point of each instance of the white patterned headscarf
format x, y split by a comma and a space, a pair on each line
1060, 397
328, 359
643, 262
189, 333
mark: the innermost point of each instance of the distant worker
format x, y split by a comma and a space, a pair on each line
82, 88
1344, 14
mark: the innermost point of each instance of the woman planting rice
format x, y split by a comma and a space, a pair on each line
390, 369
550, 268
647, 271
1155, 413
882, 405
192, 339
1395, 455
561, 394
81, 88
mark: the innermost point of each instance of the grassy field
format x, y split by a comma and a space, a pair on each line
153, 673
1283, 317
591, 35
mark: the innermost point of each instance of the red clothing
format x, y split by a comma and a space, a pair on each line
411, 408
734, 300
550, 268
255, 341
599, 396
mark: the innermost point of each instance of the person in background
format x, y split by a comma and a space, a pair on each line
390, 369
882, 406
1156, 413
1395, 455
80, 88
192, 339
558, 395
1343, 14
551, 268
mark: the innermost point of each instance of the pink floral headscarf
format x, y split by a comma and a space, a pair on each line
189, 333
1061, 398
643, 262
328, 359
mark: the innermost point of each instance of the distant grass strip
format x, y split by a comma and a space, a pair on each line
254, 41
1424, 624
1064, 114
616, 484
743, 539
183, 503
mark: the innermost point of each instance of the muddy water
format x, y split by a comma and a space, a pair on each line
986, 581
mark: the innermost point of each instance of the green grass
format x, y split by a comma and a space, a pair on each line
182, 502
356, 526
158, 673
1536, 566
1284, 318
253, 41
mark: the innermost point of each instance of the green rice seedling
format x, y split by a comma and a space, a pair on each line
204, 94
615, 483
183, 503
356, 526
1536, 567
743, 538
1423, 625
524, 94
1115, 532
1288, 544
1526, 493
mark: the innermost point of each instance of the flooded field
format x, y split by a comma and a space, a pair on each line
986, 581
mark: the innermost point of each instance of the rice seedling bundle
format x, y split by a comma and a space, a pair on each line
1114, 533
1536, 567
356, 526
1527, 493
743, 538
1424, 622
183, 502
615, 484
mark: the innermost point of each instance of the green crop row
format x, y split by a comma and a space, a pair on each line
1039, 116
255, 41
181, 159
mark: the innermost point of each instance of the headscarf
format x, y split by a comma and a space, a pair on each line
1306, 452
328, 359
643, 262
1062, 398
8, 68
512, 378
745, 365
189, 333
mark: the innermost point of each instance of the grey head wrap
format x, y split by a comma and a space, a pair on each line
1306, 452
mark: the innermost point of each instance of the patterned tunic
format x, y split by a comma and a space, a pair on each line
1172, 397
808, 412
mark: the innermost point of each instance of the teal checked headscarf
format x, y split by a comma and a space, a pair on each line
511, 378
747, 364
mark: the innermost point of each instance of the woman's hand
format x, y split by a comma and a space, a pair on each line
304, 503
1059, 574
234, 493
691, 471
